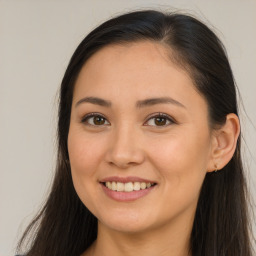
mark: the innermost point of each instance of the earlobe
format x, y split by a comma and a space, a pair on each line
225, 141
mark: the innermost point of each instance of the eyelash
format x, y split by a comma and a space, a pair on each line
161, 115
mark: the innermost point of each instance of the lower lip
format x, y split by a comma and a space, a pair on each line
126, 196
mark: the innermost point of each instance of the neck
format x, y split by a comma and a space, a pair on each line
171, 240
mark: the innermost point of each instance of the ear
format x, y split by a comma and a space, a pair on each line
224, 141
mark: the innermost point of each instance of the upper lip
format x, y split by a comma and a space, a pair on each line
126, 179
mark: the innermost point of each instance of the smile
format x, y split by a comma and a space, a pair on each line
128, 186
126, 192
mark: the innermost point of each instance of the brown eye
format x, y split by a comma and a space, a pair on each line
94, 120
160, 120
98, 120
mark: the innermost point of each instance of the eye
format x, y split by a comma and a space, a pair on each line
160, 120
95, 119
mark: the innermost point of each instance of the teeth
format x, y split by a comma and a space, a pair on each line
108, 184
119, 186
127, 187
113, 185
143, 185
136, 186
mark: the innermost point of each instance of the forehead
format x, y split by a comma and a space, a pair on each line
145, 55
135, 71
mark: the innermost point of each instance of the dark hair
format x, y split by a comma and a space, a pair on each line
221, 226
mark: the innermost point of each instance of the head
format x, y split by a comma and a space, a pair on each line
126, 138
126, 60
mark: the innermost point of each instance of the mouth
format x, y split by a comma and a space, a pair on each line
125, 189
127, 186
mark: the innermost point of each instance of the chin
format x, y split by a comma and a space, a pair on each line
126, 227
126, 223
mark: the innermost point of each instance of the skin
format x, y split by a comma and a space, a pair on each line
129, 142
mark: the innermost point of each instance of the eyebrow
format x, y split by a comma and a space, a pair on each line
139, 104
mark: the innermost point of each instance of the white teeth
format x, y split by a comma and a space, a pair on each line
113, 185
108, 184
119, 186
136, 186
143, 185
127, 187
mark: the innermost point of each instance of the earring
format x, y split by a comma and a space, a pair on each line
216, 168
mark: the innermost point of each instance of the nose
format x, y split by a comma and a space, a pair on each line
125, 148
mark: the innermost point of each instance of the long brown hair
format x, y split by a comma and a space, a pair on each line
65, 226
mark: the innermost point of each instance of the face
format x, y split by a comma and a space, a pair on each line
147, 125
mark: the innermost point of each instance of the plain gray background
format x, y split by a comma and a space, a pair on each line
37, 39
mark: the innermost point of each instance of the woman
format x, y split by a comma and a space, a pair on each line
148, 146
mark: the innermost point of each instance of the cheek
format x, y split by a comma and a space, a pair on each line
181, 157
180, 162
84, 153
84, 156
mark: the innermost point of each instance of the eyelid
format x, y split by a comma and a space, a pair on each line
160, 114
93, 114
154, 115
